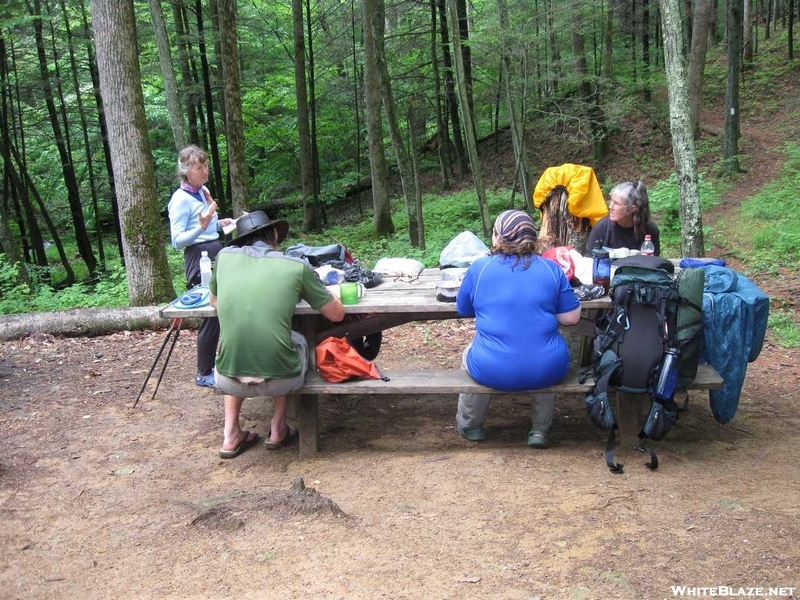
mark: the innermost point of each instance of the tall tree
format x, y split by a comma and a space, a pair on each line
466, 116
310, 217
442, 137
515, 104
734, 25
697, 62
404, 165
234, 124
168, 74
681, 129
218, 187
149, 278
71, 182
98, 230
382, 218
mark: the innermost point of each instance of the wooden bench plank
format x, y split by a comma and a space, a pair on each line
456, 381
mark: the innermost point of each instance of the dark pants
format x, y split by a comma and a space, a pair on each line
208, 336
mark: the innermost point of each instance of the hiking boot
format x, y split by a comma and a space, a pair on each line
205, 380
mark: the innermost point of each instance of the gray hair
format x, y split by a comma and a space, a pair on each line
189, 157
635, 197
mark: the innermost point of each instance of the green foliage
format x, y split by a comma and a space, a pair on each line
665, 206
111, 289
772, 219
445, 217
783, 327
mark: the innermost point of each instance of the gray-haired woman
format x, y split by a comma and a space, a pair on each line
628, 220
194, 227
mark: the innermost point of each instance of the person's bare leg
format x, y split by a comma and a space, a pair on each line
233, 432
278, 431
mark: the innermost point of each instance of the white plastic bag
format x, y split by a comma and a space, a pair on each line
463, 250
398, 267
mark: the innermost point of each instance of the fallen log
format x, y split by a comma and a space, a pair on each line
82, 322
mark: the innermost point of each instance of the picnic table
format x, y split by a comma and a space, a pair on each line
401, 300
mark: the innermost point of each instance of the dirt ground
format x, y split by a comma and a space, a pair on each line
101, 500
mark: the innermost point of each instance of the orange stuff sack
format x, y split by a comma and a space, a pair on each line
338, 361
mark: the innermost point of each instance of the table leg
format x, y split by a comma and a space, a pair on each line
308, 404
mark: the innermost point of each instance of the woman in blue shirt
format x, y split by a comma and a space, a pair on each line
194, 227
518, 300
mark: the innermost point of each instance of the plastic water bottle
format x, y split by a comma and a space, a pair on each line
647, 246
205, 269
664, 387
601, 266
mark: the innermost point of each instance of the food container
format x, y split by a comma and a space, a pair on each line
453, 274
447, 290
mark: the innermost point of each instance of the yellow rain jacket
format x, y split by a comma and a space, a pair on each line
585, 198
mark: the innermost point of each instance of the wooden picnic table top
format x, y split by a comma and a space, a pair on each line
394, 295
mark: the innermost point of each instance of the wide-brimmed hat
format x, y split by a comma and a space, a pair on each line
258, 221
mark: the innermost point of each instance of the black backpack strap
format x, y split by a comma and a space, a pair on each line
601, 384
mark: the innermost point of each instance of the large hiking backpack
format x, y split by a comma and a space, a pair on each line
649, 315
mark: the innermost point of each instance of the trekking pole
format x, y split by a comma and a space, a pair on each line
169, 354
175, 322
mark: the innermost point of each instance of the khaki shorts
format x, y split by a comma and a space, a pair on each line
269, 387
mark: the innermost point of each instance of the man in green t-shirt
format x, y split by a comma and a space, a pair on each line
254, 289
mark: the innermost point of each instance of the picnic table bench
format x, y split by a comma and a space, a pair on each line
397, 301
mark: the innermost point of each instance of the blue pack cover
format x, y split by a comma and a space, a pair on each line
196, 297
698, 263
735, 315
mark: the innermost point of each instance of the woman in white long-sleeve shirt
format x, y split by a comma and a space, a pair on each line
194, 227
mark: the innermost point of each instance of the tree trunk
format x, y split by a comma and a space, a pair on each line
681, 130
445, 167
646, 94
234, 124
608, 41
377, 159
25, 185
71, 182
747, 35
101, 119
218, 188
81, 322
514, 109
413, 127
168, 74
319, 208
734, 25
310, 218
555, 58
450, 91
697, 62
401, 154
7, 242
149, 278
186, 72
466, 116
588, 93
98, 230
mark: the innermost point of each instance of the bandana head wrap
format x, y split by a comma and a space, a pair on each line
514, 227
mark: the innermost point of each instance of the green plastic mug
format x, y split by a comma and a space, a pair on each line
351, 292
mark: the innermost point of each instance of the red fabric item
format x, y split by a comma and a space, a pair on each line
338, 361
560, 255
